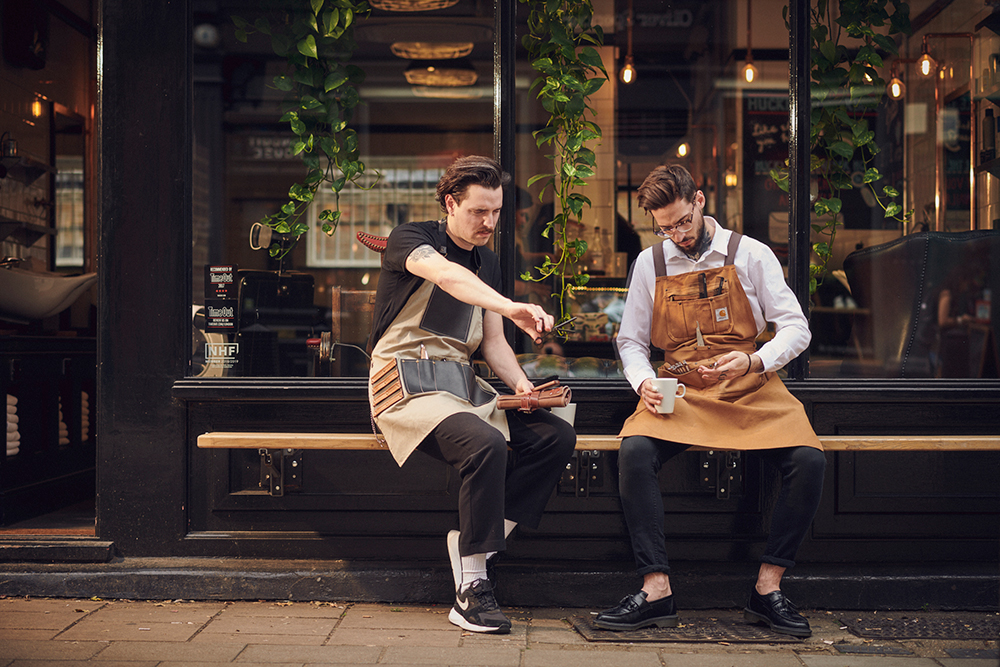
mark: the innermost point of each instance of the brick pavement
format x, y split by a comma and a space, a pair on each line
65, 632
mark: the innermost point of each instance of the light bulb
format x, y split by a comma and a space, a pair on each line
682, 150
896, 88
749, 72
628, 71
926, 65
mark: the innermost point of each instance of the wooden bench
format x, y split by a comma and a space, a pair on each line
601, 443
279, 452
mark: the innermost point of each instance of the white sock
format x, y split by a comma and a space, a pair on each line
473, 567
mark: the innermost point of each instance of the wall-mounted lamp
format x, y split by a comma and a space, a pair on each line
627, 75
36, 108
896, 89
683, 149
749, 71
731, 179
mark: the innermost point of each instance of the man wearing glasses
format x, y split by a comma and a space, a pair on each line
703, 297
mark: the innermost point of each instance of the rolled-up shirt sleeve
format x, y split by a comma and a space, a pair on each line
765, 285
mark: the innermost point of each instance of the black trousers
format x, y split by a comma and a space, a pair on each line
639, 461
491, 491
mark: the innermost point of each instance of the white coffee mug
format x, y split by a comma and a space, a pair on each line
568, 412
671, 389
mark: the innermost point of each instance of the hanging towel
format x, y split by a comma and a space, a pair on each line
12, 400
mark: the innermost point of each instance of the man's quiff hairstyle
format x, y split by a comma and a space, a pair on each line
466, 171
665, 185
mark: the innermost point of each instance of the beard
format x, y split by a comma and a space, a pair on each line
701, 244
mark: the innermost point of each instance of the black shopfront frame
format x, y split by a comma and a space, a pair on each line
160, 497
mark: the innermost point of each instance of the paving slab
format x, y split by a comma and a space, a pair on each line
80, 663
124, 629
162, 612
270, 625
427, 655
250, 638
395, 637
391, 616
38, 620
49, 604
729, 660
174, 651
17, 649
867, 661
334, 655
598, 657
290, 609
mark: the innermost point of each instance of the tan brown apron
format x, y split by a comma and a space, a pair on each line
421, 404
697, 318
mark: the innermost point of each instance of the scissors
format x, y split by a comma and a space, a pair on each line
560, 329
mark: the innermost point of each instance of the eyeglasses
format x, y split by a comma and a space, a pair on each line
683, 226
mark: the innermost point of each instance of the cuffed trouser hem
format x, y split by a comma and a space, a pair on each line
780, 562
650, 569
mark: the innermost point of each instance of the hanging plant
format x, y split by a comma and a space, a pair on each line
317, 40
561, 43
846, 87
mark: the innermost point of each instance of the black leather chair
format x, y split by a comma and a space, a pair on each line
898, 287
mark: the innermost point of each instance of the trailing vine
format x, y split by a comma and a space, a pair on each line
561, 43
845, 87
317, 40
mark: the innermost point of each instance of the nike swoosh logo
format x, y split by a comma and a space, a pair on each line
464, 604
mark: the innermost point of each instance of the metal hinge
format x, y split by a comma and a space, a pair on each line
585, 471
280, 470
720, 471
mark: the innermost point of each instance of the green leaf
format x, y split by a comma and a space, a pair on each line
892, 209
871, 175
283, 83
843, 149
334, 80
307, 47
298, 127
538, 177
331, 20
316, 6
890, 191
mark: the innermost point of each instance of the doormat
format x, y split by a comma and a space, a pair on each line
923, 625
716, 627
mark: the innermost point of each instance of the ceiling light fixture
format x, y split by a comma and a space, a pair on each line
627, 75
431, 50
448, 73
926, 65
412, 5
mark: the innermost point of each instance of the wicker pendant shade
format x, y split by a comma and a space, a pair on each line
431, 50
412, 5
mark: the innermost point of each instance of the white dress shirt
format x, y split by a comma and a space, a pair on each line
763, 280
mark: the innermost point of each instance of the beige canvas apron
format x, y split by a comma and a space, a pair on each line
697, 318
407, 422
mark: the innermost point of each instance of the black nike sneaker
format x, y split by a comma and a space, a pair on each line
477, 610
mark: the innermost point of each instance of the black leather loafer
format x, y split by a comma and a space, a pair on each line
778, 612
633, 612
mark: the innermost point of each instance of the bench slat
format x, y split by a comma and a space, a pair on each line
365, 441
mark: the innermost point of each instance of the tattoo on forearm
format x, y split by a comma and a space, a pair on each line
422, 252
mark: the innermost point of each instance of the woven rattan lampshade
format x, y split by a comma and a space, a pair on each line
441, 73
411, 5
431, 50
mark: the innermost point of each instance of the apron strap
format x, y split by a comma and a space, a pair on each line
658, 262
734, 241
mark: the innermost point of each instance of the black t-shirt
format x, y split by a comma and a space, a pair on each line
396, 285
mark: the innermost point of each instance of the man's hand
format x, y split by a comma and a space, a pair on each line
650, 397
728, 366
529, 318
524, 387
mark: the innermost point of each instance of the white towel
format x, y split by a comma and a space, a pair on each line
12, 400
63, 442
13, 437
12, 452
13, 419
11, 410
11, 426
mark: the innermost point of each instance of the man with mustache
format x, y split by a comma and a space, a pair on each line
437, 303
703, 298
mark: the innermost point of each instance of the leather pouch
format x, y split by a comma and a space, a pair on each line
556, 397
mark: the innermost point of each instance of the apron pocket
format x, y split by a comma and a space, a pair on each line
422, 376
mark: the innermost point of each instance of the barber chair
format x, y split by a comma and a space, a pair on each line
898, 287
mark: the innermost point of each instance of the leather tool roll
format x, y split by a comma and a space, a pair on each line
556, 397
